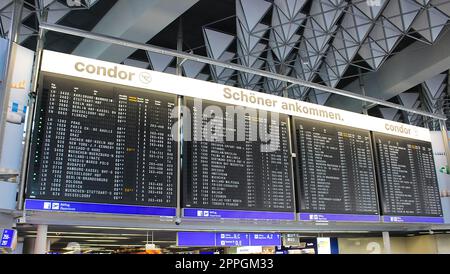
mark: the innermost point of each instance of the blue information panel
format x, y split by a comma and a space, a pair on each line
236, 214
312, 217
226, 239
412, 219
265, 239
7, 239
196, 238
62, 206
232, 239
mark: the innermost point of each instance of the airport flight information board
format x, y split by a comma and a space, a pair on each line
95, 143
335, 173
102, 143
240, 178
408, 184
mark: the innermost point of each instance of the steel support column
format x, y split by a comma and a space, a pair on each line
31, 112
40, 245
180, 102
387, 243
445, 139
13, 38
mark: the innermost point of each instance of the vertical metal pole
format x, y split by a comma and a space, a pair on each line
292, 153
365, 111
16, 21
445, 139
13, 38
30, 114
444, 129
40, 245
425, 119
179, 72
387, 243
180, 102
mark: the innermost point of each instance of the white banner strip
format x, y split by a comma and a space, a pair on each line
81, 67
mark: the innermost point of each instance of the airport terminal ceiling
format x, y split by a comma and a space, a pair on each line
343, 44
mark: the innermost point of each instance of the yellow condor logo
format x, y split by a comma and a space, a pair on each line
112, 72
18, 85
397, 128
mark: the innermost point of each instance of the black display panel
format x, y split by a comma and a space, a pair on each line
99, 143
407, 176
335, 169
237, 175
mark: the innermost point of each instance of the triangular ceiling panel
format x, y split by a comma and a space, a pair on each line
251, 12
332, 11
371, 11
322, 98
434, 84
409, 99
356, 24
430, 23
170, 70
423, 2
442, 5
290, 7
192, 68
217, 42
388, 113
249, 40
226, 57
136, 63
159, 61
203, 77
296, 92
401, 13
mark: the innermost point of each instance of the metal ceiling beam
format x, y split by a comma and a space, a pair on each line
210, 61
136, 20
407, 69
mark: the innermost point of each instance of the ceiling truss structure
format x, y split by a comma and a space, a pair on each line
29, 27
432, 95
322, 41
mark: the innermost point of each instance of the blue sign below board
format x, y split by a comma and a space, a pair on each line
65, 206
413, 219
232, 239
227, 239
265, 239
7, 239
311, 217
236, 214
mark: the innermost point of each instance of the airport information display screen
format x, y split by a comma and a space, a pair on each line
222, 175
103, 143
407, 177
95, 143
335, 173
